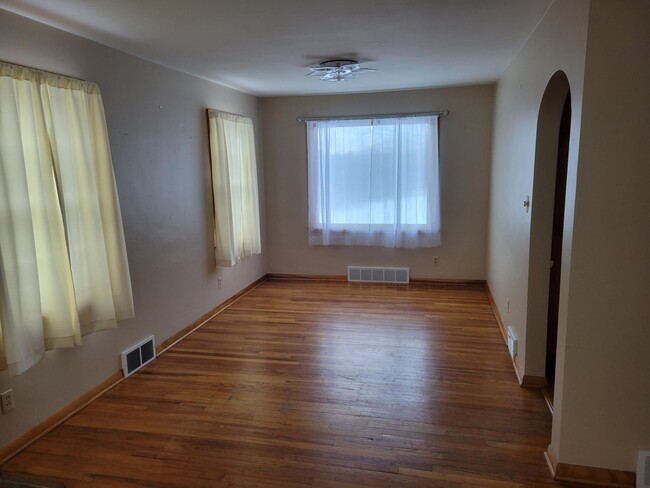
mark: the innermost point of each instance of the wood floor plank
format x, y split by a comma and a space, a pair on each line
319, 384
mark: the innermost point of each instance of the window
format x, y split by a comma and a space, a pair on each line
374, 182
234, 187
63, 265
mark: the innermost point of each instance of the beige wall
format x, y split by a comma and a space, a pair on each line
602, 393
465, 138
558, 43
606, 391
160, 156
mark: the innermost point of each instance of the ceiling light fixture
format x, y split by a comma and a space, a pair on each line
337, 70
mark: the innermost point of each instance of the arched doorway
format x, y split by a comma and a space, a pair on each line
547, 229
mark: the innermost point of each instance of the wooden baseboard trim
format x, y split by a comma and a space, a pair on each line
32, 435
497, 315
301, 277
56, 419
529, 381
551, 460
344, 278
515, 365
504, 333
573, 473
185, 331
548, 394
447, 282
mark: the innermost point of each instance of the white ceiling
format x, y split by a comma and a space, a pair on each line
264, 46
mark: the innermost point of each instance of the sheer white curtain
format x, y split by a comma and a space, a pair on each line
63, 265
374, 182
234, 186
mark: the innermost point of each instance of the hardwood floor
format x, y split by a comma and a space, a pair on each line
316, 384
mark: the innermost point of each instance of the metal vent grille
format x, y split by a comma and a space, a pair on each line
512, 343
378, 274
137, 356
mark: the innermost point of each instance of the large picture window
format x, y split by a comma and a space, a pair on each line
374, 182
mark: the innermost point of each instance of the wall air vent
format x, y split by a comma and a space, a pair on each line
378, 274
137, 356
512, 343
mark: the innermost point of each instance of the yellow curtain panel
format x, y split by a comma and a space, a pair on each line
63, 265
234, 186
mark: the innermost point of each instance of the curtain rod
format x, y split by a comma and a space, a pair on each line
44, 71
227, 113
440, 113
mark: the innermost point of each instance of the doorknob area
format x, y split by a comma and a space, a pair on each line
527, 203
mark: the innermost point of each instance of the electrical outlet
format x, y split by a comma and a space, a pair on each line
436, 260
219, 282
8, 401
